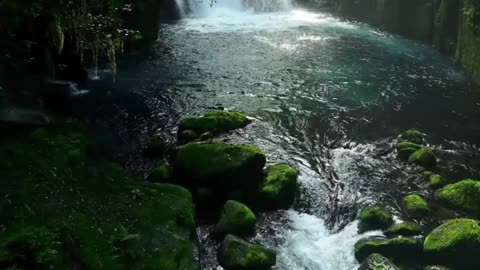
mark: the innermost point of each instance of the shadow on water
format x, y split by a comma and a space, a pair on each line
327, 96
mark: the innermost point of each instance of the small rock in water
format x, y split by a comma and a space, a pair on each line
406, 228
400, 248
413, 135
464, 196
278, 189
374, 217
376, 261
416, 206
238, 254
236, 219
423, 157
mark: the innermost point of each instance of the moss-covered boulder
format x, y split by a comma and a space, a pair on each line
162, 174
279, 187
236, 219
415, 206
399, 248
455, 243
376, 261
437, 181
375, 217
237, 254
406, 145
101, 217
406, 228
404, 154
463, 195
413, 135
423, 157
215, 122
219, 165
427, 174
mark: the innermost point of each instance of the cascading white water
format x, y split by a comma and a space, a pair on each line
203, 8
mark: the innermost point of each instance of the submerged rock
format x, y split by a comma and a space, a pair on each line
162, 174
237, 254
464, 195
455, 243
376, 261
236, 219
416, 206
399, 248
424, 157
413, 135
375, 217
436, 181
406, 228
279, 187
215, 122
217, 165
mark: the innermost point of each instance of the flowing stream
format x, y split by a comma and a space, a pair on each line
327, 96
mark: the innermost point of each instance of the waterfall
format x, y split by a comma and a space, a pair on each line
205, 8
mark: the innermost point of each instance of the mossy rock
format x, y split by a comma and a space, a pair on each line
87, 204
413, 135
406, 228
399, 248
162, 174
423, 157
405, 153
215, 122
407, 144
463, 195
416, 206
237, 254
455, 243
217, 165
375, 217
236, 219
427, 174
186, 136
279, 187
376, 261
437, 181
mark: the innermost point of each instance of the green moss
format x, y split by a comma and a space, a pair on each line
415, 206
407, 144
413, 135
424, 157
215, 122
400, 248
405, 153
236, 219
437, 181
468, 48
455, 243
464, 195
162, 173
219, 163
279, 187
407, 228
375, 217
376, 261
428, 173
236, 253
52, 182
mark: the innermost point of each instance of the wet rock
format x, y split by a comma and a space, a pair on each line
157, 147
375, 217
162, 174
436, 267
406, 228
236, 219
405, 153
464, 195
413, 135
215, 122
237, 254
416, 206
399, 248
186, 136
424, 157
219, 165
376, 261
455, 243
407, 144
279, 187
436, 181
206, 136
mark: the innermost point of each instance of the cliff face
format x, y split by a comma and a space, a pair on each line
451, 26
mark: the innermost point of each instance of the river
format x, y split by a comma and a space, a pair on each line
327, 96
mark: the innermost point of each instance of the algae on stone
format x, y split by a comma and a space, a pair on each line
237, 254
406, 228
423, 157
464, 195
236, 219
437, 181
215, 122
455, 243
375, 217
377, 261
399, 248
416, 206
413, 135
279, 187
